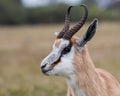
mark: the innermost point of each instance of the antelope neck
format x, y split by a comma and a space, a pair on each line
85, 81
71, 81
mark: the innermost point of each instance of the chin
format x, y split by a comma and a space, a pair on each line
51, 72
54, 73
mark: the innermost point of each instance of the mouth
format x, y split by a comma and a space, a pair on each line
46, 71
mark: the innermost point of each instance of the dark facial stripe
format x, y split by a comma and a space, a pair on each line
62, 53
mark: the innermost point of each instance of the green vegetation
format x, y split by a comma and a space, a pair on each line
13, 12
23, 47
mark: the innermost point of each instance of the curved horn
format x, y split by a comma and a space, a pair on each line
75, 28
66, 24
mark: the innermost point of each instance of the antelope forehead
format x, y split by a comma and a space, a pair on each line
57, 42
60, 43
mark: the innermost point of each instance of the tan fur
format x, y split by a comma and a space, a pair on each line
57, 42
93, 81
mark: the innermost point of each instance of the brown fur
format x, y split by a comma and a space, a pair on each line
93, 81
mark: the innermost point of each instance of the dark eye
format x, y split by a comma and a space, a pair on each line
66, 50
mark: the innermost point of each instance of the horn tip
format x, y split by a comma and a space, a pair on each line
69, 9
95, 21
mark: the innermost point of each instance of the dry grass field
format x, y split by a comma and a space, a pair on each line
23, 47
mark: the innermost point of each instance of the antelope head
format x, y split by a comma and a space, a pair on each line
60, 60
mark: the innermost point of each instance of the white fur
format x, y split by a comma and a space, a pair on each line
55, 54
63, 43
72, 83
59, 69
65, 67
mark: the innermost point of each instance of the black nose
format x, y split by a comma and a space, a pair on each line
43, 68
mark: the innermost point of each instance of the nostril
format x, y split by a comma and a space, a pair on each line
43, 66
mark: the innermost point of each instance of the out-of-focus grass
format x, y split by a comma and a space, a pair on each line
22, 49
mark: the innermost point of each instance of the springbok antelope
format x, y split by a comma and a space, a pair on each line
70, 59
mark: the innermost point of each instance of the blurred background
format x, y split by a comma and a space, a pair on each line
19, 12
27, 33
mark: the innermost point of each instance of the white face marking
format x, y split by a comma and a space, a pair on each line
55, 54
65, 67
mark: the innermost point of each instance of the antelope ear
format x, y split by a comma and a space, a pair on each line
88, 35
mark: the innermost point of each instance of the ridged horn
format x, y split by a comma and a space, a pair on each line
76, 27
66, 24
